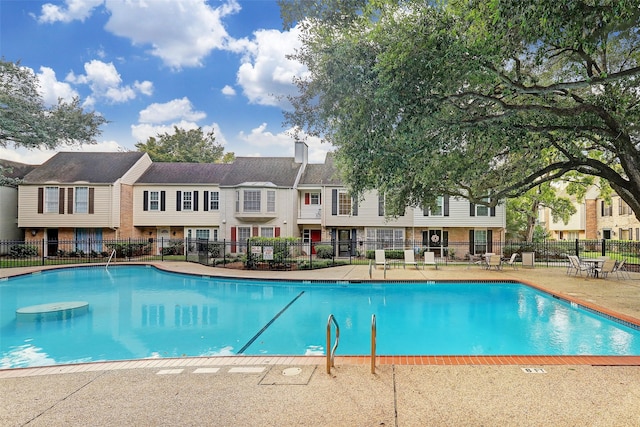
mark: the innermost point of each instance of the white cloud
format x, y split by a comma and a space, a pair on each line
228, 91
51, 89
266, 75
75, 10
105, 83
170, 111
281, 143
143, 131
37, 157
180, 32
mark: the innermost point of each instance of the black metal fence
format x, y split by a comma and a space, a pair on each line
285, 254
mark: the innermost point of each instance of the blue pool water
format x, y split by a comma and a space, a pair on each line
142, 312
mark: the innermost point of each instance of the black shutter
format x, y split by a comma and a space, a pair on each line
380, 204
334, 202
472, 209
163, 197
354, 206
145, 200
206, 201
195, 200
489, 240
471, 246
178, 201
446, 205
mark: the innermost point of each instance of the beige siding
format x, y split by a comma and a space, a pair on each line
171, 216
459, 217
132, 175
103, 215
9, 214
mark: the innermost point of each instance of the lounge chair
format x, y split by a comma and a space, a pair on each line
409, 258
608, 266
512, 261
494, 261
380, 258
430, 259
485, 262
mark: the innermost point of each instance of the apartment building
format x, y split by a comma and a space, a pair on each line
120, 195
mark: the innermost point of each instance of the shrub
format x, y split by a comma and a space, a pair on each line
23, 251
324, 251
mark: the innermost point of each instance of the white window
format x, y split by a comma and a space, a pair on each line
202, 234
187, 200
266, 232
51, 199
480, 241
251, 201
482, 210
81, 200
386, 238
314, 199
438, 209
244, 233
344, 203
271, 201
154, 201
237, 200
214, 201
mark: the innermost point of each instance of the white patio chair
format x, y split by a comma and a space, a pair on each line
380, 258
512, 261
579, 266
608, 266
409, 258
620, 270
430, 259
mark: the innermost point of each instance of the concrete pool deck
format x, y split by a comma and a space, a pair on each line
255, 390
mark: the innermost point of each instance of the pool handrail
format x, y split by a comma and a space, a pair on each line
113, 252
373, 343
331, 353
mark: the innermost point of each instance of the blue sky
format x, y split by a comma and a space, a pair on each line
150, 65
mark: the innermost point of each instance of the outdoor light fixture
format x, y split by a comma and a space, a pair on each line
34, 232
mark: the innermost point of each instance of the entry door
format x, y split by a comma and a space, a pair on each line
52, 242
316, 236
344, 242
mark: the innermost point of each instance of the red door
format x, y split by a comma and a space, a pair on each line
316, 236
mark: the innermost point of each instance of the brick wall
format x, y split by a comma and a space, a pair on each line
591, 219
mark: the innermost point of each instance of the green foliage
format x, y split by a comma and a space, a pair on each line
324, 251
175, 247
128, 250
472, 99
388, 254
189, 146
23, 251
25, 121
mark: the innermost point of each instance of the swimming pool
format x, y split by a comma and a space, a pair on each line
142, 312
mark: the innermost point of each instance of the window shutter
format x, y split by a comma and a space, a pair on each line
306, 198
254, 231
40, 200
92, 194
163, 196
472, 209
178, 201
380, 204
69, 200
445, 239
446, 205
234, 236
492, 211
145, 200
195, 200
276, 232
334, 202
206, 201
602, 208
471, 245
425, 211
61, 200
354, 206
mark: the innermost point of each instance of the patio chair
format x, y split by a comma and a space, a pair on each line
494, 261
409, 258
512, 261
608, 266
380, 258
430, 259
578, 266
620, 270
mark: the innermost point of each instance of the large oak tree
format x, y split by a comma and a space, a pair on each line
185, 146
480, 99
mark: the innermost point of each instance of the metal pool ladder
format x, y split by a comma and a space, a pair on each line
111, 256
332, 353
373, 343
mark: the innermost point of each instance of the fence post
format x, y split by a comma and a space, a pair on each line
42, 250
577, 247
603, 249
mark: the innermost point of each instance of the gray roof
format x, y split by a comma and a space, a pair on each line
11, 169
281, 171
184, 173
321, 174
72, 167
